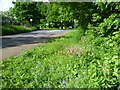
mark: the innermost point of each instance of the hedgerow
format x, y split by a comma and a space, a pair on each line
15, 29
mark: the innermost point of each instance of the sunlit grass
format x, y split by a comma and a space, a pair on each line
14, 29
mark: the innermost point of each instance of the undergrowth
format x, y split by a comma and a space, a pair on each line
66, 63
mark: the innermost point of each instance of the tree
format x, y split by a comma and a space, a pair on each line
8, 18
27, 10
68, 11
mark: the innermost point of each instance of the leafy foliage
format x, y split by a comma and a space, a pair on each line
106, 19
63, 63
104, 15
8, 18
87, 58
109, 25
67, 12
26, 11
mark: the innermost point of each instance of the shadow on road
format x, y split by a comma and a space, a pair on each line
40, 36
12, 42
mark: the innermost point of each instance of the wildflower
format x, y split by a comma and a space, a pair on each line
71, 52
75, 48
104, 70
46, 84
37, 65
88, 54
66, 48
92, 53
67, 52
92, 49
100, 65
71, 48
38, 71
78, 53
81, 49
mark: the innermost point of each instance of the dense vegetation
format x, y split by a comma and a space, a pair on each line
84, 58
64, 63
103, 15
14, 29
11, 25
8, 18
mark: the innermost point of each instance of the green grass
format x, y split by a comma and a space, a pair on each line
14, 29
60, 28
48, 28
65, 63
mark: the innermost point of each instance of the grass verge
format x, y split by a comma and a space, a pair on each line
60, 28
65, 63
14, 29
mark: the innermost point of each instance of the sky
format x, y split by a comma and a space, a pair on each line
5, 5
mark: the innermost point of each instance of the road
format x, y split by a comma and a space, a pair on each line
14, 44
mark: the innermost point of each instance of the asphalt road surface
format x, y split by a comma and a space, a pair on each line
14, 44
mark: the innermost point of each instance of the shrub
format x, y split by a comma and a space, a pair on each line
8, 19
109, 25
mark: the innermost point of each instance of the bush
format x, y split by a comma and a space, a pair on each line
106, 19
26, 23
109, 25
8, 19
